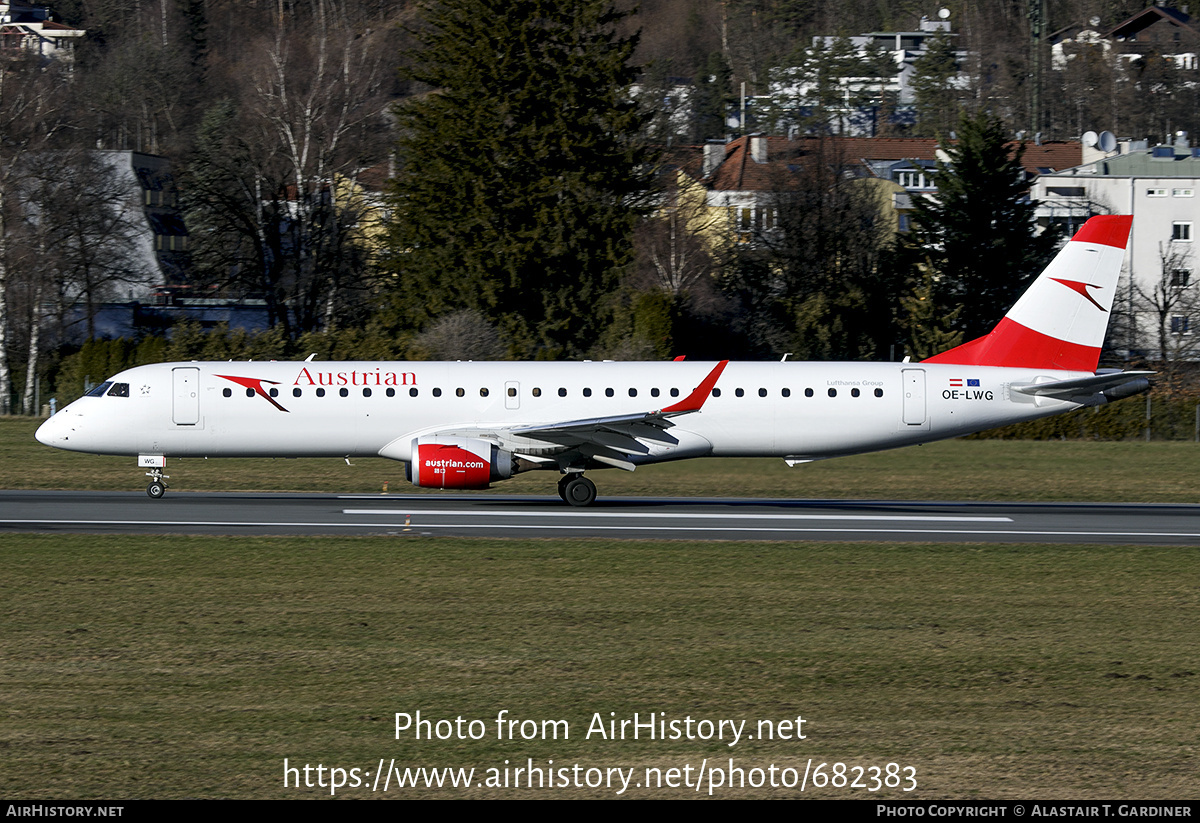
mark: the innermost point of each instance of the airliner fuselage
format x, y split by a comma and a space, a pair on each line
465, 425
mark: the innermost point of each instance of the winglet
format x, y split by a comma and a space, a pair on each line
696, 399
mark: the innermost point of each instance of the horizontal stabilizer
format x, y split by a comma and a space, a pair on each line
1112, 386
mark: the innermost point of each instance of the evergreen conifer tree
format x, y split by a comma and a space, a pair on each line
523, 171
978, 231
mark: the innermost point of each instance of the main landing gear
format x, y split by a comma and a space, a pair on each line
157, 487
577, 490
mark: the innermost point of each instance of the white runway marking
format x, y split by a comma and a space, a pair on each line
932, 518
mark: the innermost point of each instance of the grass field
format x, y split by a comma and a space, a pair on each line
190, 667
1164, 472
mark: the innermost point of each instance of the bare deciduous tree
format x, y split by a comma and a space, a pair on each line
1169, 309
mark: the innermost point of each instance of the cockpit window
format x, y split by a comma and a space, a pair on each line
99, 390
119, 390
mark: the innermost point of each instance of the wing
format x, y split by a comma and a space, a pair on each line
615, 440
611, 439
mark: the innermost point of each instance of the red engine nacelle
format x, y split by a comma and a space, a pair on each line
458, 463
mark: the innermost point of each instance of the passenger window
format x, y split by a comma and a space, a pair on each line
459, 392
633, 392
762, 392
808, 392
273, 392
587, 392
786, 392
344, 392
833, 392
739, 392
296, 392
608, 392
674, 392
390, 393
412, 392
854, 392
366, 392
879, 392
562, 392
483, 392
437, 392
512, 392
716, 393
320, 392
654, 392
249, 392
227, 392
537, 392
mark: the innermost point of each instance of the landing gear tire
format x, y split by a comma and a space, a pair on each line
579, 491
156, 490
562, 487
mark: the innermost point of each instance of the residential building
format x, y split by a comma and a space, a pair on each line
742, 177
1159, 186
866, 98
28, 29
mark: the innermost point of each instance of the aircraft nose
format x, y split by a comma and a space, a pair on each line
50, 433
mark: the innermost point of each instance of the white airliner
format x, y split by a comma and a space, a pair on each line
464, 425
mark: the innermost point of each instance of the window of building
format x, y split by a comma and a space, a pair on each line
1156, 192
1180, 278
1180, 325
1183, 192
912, 179
1181, 232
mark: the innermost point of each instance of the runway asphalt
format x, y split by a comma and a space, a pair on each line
610, 518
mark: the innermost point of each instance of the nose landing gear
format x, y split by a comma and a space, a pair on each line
157, 487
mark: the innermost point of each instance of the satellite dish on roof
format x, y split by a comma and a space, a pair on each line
1107, 141
944, 14
1090, 139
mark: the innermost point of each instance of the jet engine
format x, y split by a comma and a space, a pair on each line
457, 463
